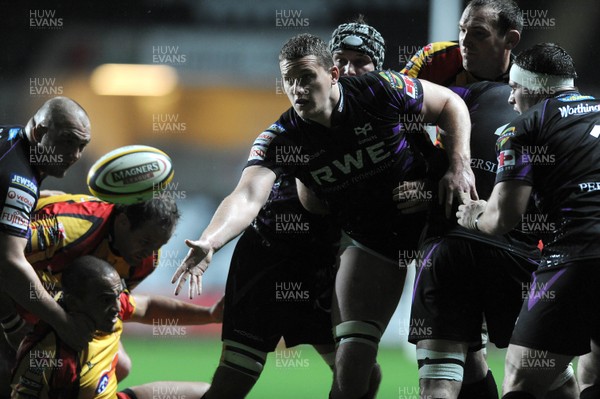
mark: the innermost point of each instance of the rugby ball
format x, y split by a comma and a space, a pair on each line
130, 174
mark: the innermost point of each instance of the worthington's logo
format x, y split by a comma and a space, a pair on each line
136, 173
579, 109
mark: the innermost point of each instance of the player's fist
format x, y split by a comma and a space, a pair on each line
193, 267
469, 212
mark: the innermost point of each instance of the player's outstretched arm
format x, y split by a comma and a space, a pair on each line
447, 110
22, 284
235, 213
149, 308
502, 211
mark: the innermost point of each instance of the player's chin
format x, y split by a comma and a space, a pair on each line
107, 327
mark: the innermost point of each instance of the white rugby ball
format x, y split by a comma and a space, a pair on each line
130, 174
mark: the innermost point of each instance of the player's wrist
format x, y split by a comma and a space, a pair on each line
477, 221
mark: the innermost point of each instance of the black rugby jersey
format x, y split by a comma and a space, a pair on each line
490, 112
19, 182
555, 147
355, 164
283, 221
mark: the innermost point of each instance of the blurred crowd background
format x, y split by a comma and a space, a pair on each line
200, 79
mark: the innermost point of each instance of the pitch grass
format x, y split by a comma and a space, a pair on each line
296, 373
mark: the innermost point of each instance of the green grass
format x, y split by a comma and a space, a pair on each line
296, 373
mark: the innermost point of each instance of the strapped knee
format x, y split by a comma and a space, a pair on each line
441, 365
563, 377
243, 358
366, 332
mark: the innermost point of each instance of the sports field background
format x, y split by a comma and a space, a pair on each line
296, 373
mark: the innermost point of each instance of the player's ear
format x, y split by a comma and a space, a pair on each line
335, 74
38, 132
511, 39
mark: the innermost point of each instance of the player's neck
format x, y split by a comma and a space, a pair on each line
334, 98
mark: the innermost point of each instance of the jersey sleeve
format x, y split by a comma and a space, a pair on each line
404, 94
512, 149
19, 201
438, 62
127, 305
269, 147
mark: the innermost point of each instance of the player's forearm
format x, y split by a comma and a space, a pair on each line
22, 284
505, 207
232, 217
159, 307
455, 121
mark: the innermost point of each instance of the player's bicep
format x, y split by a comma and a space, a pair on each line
12, 250
435, 99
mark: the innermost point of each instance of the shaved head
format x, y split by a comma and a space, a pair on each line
84, 273
60, 127
59, 113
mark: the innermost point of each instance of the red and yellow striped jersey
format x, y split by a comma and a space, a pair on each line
66, 227
48, 369
440, 63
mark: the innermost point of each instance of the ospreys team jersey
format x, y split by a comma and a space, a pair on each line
283, 221
441, 63
48, 369
19, 182
489, 111
554, 147
355, 164
66, 227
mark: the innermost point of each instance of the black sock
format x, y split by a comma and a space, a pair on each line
518, 395
485, 388
591, 392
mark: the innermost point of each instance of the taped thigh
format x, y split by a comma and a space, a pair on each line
441, 365
563, 377
243, 358
366, 332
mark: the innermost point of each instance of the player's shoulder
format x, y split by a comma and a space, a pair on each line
441, 47
574, 103
436, 55
376, 81
70, 202
11, 132
473, 91
9, 135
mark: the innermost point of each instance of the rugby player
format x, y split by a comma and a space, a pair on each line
65, 227
287, 246
489, 30
47, 368
51, 141
557, 119
348, 129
